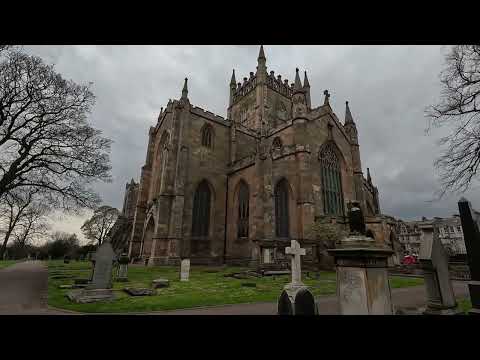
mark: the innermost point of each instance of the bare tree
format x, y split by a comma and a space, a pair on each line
33, 225
13, 210
97, 227
458, 107
45, 139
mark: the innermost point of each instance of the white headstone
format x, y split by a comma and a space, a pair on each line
296, 251
185, 270
266, 256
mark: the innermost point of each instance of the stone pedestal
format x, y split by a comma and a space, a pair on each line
362, 277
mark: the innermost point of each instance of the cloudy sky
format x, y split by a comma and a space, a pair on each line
388, 88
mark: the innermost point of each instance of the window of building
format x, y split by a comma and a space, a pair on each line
201, 210
207, 136
331, 182
281, 209
243, 210
459, 229
277, 143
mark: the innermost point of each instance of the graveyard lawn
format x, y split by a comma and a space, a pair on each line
465, 305
207, 287
6, 263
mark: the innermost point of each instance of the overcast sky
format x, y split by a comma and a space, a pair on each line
388, 89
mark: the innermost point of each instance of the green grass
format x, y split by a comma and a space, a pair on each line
207, 287
6, 263
465, 305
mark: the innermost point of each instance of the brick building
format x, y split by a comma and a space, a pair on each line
230, 189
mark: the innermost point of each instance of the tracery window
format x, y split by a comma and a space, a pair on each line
281, 209
331, 181
207, 136
201, 210
277, 143
243, 210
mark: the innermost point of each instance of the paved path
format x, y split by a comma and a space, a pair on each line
409, 297
23, 289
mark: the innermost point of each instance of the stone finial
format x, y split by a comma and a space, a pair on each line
185, 90
261, 54
369, 178
239, 85
348, 114
298, 84
251, 74
285, 82
327, 97
306, 84
272, 74
245, 79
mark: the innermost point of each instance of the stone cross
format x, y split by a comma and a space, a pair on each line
295, 250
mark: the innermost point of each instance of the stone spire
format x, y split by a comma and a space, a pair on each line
306, 84
261, 54
348, 115
306, 89
185, 90
233, 86
297, 87
233, 82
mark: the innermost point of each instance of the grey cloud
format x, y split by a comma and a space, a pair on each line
388, 88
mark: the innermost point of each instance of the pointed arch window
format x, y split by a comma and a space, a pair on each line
207, 136
243, 210
282, 219
201, 210
277, 143
331, 181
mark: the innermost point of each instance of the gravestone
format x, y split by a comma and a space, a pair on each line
267, 259
122, 274
362, 271
296, 289
470, 225
102, 272
185, 270
100, 287
434, 262
66, 259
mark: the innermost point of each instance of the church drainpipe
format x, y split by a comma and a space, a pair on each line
225, 229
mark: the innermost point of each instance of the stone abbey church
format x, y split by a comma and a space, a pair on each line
236, 190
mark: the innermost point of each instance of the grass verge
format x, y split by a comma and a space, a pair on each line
207, 287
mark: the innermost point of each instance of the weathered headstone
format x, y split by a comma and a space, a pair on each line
434, 262
362, 271
185, 270
471, 233
296, 289
100, 287
122, 274
102, 272
267, 259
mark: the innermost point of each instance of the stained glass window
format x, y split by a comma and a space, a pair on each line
331, 182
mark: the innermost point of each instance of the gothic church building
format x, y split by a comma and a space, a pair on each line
230, 190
